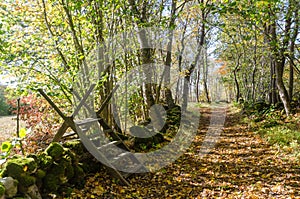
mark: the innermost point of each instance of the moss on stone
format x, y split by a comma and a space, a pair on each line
34, 156
26, 180
91, 165
16, 166
11, 169
16, 156
68, 154
2, 190
79, 174
76, 146
40, 174
55, 150
51, 183
57, 169
45, 161
69, 170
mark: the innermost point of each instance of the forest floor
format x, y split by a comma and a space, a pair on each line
241, 165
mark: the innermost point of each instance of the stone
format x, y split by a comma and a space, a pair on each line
33, 192
11, 186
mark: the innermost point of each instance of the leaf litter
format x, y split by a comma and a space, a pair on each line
241, 165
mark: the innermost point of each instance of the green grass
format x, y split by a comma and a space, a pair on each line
280, 135
276, 128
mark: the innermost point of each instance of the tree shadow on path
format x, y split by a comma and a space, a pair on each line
241, 165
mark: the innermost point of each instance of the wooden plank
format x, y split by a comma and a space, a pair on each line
52, 103
82, 102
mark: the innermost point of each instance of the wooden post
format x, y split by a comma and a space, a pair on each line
18, 118
18, 125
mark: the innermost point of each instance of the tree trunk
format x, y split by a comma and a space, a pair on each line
186, 87
168, 93
204, 63
197, 86
237, 86
279, 66
273, 86
292, 54
278, 55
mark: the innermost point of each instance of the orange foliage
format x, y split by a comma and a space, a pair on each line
223, 69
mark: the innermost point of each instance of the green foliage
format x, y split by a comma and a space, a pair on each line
6, 146
11, 147
281, 135
273, 125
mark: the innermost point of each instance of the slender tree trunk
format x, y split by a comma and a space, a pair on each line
168, 93
186, 86
254, 68
292, 53
237, 85
205, 74
281, 88
197, 86
278, 55
273, 86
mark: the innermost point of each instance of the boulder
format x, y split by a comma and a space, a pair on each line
10, 187
33, 192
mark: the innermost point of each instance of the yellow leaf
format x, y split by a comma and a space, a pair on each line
25, 168
256, 173
203, 169
168, 181
122, 191
266, 175
99, 190
22, 132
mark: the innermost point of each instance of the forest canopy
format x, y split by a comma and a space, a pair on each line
226, 50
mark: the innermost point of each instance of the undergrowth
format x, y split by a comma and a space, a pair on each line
271, 123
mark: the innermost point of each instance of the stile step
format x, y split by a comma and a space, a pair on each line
109, 145
86, 121
111, 152
121, 157
135, 169
94, 136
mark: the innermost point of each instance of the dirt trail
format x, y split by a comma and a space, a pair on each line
240, 165
8, 127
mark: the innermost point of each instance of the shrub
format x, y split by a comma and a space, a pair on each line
40, 118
